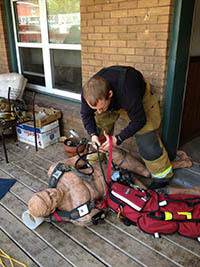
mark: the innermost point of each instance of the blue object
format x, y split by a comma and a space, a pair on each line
115, 176
52, 136
5, 185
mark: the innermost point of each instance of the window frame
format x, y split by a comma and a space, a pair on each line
46, 53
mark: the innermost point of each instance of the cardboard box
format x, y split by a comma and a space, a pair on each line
49, 115
46, 135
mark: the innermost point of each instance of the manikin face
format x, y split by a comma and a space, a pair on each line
45, 202
102, 104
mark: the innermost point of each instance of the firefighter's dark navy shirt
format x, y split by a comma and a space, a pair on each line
128, 97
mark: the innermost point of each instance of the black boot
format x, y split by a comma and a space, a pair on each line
159, 183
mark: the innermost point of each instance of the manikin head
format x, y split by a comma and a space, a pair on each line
45, 202
97, 94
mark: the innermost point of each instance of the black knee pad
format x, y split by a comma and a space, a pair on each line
149, 146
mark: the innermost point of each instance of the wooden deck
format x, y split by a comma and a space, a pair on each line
110, 243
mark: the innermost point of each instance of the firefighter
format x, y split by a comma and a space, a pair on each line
122, 91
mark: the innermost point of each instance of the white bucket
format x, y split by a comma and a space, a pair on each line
31, 221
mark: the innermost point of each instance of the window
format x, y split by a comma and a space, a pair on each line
48, 45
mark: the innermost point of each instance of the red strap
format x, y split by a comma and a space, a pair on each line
104, 203
58, 218
109, 160
101, 204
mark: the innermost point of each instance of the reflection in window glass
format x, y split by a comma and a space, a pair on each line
28, 21
64, 21
66, 70
32, 65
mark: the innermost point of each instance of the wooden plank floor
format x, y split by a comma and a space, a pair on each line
110, 243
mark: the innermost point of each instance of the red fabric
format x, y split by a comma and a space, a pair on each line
152, 226
109, 160
142, 208
101, 204
55, 214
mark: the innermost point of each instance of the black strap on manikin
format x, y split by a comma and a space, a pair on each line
73, 214
78, 212
121, 78
57, 173
61, 168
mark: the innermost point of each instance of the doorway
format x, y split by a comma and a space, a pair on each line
190, 127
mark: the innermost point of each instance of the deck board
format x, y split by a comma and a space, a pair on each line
81, 235
13, 251
46, 235
110, 243
175, 252
40, 252
130, 245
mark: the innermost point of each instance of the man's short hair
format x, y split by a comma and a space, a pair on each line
95, 89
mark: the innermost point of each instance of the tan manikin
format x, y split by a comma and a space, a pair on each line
72, 191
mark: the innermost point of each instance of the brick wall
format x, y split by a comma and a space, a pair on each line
134, 32
4, 55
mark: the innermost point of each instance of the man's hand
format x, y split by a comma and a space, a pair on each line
95, 140
105, 146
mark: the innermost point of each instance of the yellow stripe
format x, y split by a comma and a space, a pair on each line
187, 214
163, 174
168, 216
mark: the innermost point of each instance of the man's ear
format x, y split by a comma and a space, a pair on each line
110, 94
